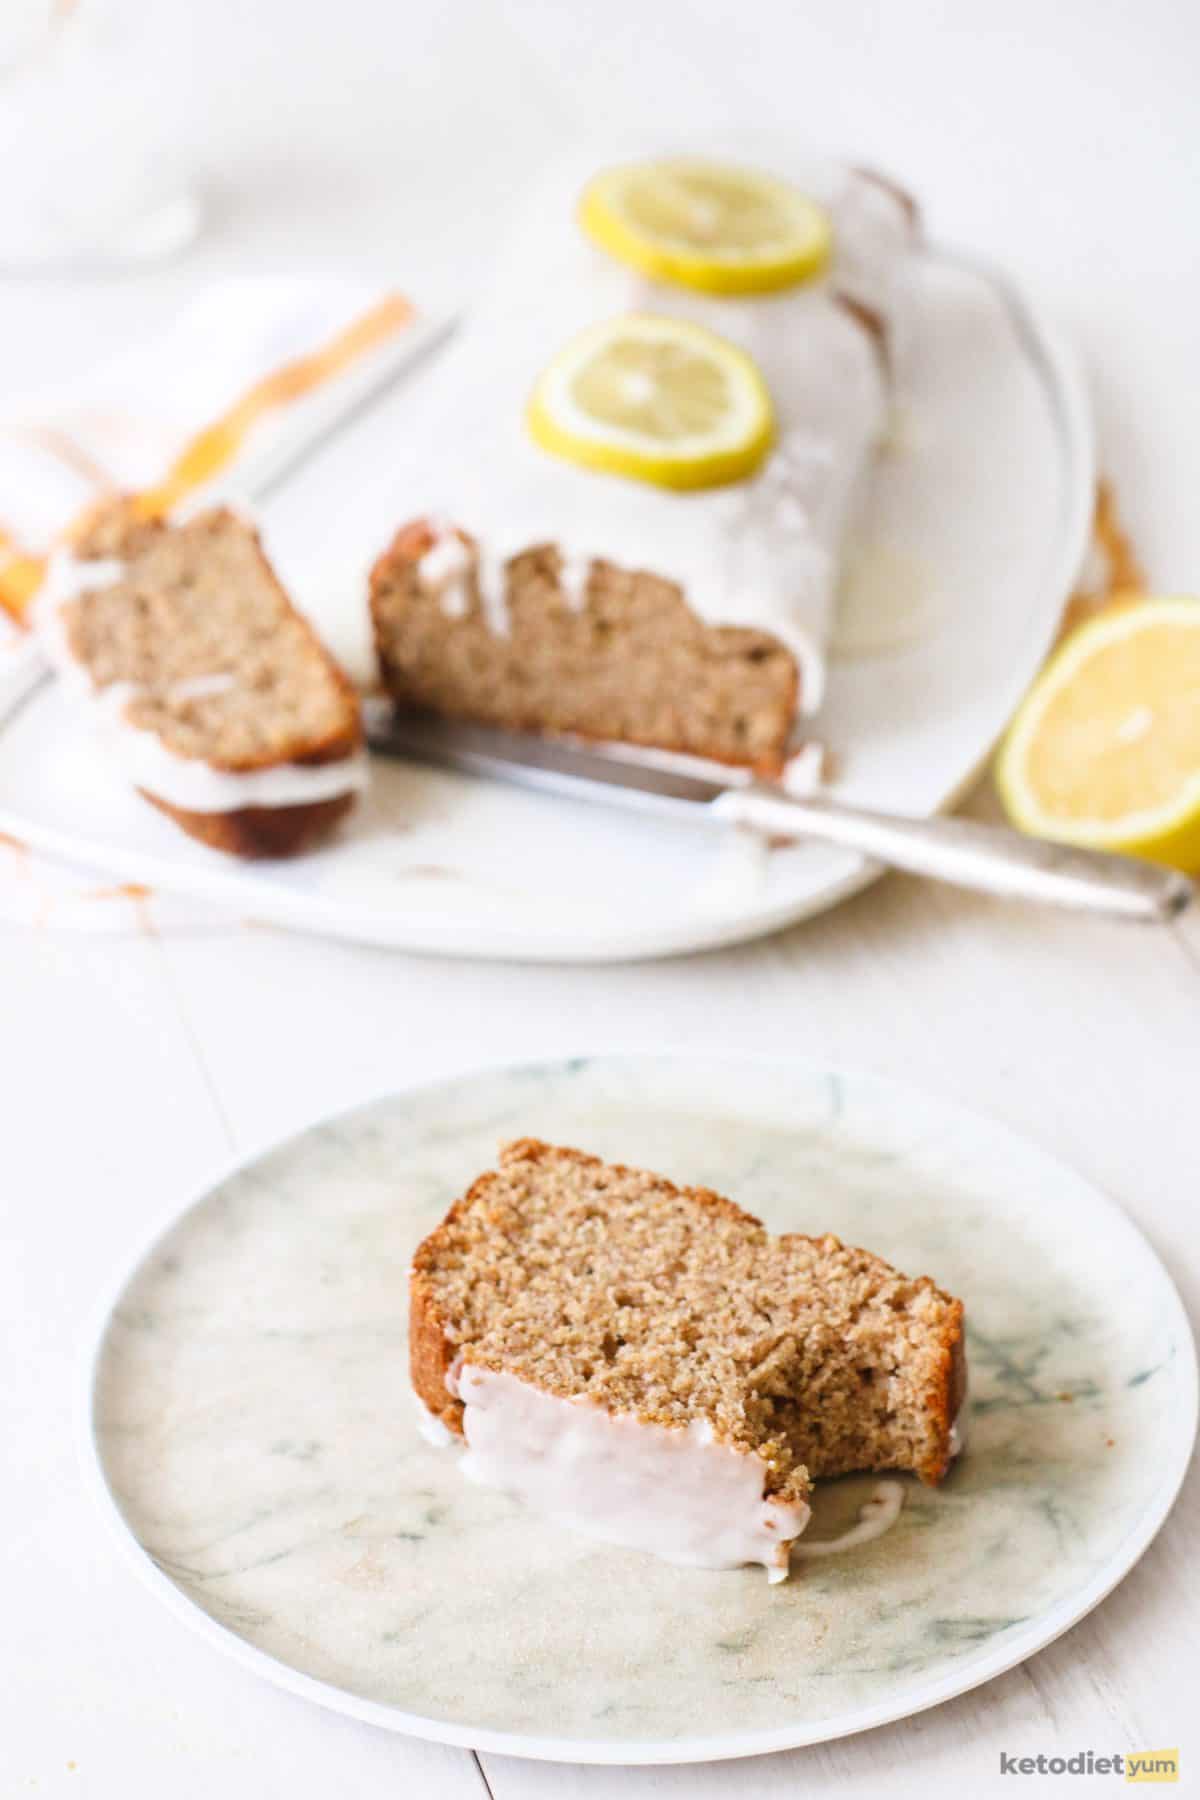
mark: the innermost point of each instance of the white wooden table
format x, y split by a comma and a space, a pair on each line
1061, 140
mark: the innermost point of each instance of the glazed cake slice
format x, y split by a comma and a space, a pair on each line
647, 1364
626, 661
528, 593
214, 696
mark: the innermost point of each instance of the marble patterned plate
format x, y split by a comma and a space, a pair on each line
251, 1436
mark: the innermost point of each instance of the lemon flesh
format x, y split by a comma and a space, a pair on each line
1105, 751
657, 400
707, 225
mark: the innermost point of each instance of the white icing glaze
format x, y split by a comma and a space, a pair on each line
194, 785
959, 1431
491, 564
875, 1516
432, 1429
445, 568
183, 781
574, 572
66, 577
202, 687
674, 1492
804, 770
760, 553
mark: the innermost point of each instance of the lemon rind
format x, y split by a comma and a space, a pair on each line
715, 470
1163, 830
618, 454
717, 274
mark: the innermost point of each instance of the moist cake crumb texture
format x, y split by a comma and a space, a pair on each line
673, 1305
225, 668
619, 656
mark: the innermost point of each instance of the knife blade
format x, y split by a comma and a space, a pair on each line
552, 765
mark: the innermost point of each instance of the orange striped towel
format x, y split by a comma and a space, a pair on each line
246, 374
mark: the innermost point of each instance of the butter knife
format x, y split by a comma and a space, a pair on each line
990, 859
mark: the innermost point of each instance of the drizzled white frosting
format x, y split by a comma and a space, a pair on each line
201, 687
433, 1429
573, 574
195, 786
959, 1430
674, 1492
187, 782
875, 1516
66, 577
444, 570
762, 552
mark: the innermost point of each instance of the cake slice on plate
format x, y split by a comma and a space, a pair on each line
647, 1364
213, 695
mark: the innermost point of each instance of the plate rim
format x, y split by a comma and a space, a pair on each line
248, 895
970, 1673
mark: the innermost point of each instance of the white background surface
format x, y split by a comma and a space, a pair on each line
1062, 141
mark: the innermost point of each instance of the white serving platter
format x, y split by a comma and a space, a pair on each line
972, 536
248, 1433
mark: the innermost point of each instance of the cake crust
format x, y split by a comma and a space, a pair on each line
258, 832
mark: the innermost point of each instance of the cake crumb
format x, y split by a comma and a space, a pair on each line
673, 1305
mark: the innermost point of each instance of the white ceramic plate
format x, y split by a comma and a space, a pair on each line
977, 522
250, 1435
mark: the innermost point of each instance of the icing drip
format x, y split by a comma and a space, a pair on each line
433, 1430
195, 786
65, 578
875, 1516
492, 576
959, 1430
445, 568
675, 1492
574, 572
783, 529
202, 687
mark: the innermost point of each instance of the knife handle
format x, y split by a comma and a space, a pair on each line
991, 859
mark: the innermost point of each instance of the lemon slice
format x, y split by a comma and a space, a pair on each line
1105, 750
657, 399
707, 225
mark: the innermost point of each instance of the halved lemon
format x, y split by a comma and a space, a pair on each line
656, 399
1105, 751
707, 225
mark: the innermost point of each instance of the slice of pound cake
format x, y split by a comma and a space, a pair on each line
214, 695
647, 1364
627, 660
